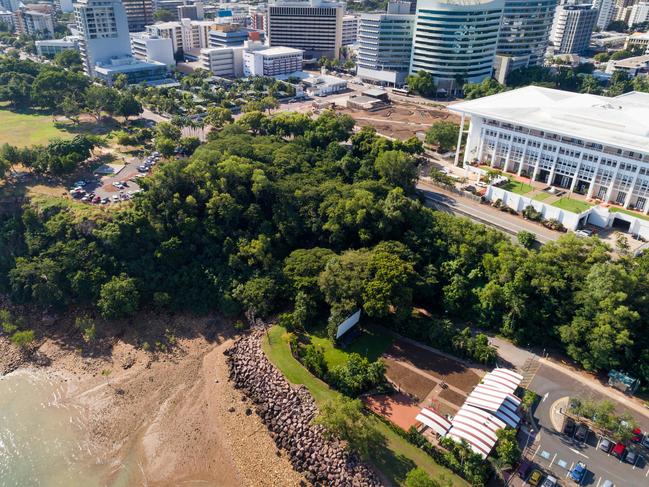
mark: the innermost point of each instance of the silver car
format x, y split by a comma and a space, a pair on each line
549, 481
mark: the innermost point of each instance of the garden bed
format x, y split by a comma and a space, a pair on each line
408, 380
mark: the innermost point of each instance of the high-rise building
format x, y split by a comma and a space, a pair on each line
350, 29
227, 35
34, 23
258, 17
639, 13
315, 26
7, 18
572, 28
10, 5
456, 40
606, 12
103, 29
385, 45
525, 30
153, 49
139, 14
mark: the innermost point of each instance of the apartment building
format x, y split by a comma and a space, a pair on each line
572, 28
639, 14
314, 26
606, 12
385, 45
274, 61
34, 23
456, 40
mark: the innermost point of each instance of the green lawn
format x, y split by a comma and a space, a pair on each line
541, 196
395, 457
517, 187
615, 209
369, 344
574, 206
24, 129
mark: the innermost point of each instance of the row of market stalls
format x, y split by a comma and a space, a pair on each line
491, 406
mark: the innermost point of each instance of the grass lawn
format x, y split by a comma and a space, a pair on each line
395, 457
541, 196
574, 206
615, 209
24, 129
517, 187
370, 345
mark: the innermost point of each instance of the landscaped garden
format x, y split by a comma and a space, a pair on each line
517, 187
616, 209
541, 196
572, 205
394, 456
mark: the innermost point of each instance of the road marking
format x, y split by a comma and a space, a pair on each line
598, 481
536, 451
570, 469
545, 397
647, 473
578, 452
555, 456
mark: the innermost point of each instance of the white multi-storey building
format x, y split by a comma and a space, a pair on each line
606, 13
385, 45
590, 145
51, 47
639, 13
572, 28
35, 23
226, 62
103, 30
185, 34
153, 49
456, 39
350, 29
274, 61
314, 26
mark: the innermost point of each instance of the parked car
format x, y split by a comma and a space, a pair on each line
569, 427
631, 457
549, 481
524, 468
619, 450
96, 199
645, 441
607, 483
582, 432
81, 183
605, 445
142, 168
578, 472
584, 232
535, 478
637, 435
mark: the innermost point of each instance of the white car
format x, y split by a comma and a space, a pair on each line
584, 232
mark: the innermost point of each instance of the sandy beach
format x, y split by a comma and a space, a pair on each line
166, 418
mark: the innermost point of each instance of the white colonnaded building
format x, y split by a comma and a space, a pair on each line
588, 145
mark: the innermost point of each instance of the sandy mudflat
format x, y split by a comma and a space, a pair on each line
164, 419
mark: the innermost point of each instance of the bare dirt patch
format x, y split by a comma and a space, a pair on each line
451, 371
407, 380
452, 396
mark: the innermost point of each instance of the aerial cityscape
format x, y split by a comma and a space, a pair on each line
361, 243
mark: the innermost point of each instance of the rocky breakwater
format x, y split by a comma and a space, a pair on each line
288, 413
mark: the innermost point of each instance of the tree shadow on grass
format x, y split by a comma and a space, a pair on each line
105, 126
393, 466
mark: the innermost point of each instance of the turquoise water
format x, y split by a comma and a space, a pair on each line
43, 439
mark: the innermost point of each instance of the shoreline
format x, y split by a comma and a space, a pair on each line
165, 418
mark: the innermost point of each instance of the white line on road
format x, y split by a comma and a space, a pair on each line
572, 464
598, 481
578, 452
647, 473
555, 456
545, 397
536, 451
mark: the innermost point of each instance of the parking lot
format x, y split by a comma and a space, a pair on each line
116, 187
556, 453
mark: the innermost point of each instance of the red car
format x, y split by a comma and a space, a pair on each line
637, 435
618, 450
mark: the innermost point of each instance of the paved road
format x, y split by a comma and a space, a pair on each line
445, 200
557, 453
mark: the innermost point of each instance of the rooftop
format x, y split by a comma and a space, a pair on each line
280, 51
620, 122
632, 62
